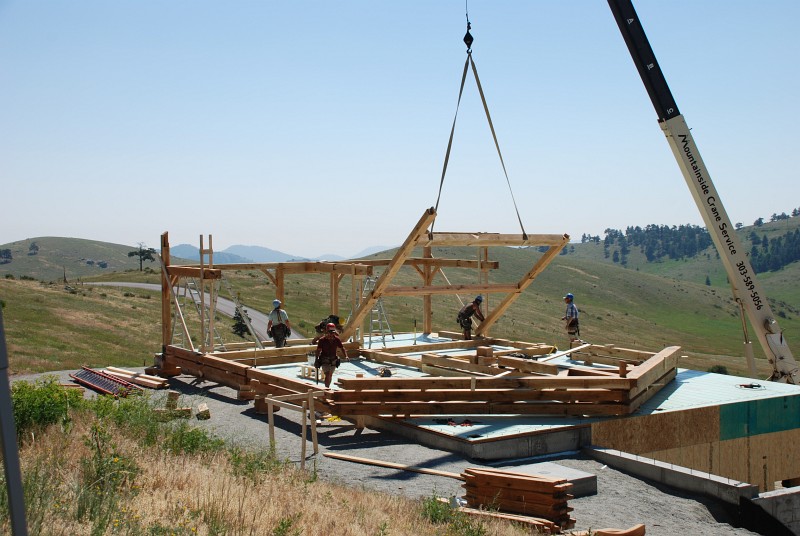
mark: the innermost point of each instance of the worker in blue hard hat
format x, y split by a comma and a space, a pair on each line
278, 326
464, 318
570, 319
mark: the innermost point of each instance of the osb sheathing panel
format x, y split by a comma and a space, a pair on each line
761, 460
658, 431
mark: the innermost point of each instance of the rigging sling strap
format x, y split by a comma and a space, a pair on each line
469, 62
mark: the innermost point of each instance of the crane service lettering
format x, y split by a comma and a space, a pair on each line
723, 228
698, 172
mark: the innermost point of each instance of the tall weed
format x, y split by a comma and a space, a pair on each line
42, 403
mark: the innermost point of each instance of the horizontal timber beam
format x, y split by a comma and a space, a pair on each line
490, 239
450, 289
192, 271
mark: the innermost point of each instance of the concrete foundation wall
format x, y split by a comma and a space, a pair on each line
783, 505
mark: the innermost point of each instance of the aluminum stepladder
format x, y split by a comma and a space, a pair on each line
378, 322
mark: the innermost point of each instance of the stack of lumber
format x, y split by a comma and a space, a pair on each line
520, 493
145, 380
541, 501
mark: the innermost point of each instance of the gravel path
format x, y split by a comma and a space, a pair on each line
622, 501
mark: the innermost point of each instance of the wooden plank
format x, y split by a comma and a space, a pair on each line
467, 395
491, 239
546, 499
565, 352
386, 357
478, 408
653, 369
642, 396
530, 382
436, 263
194, 272
392, 465
423, 290
432, 346
527, 365
227, 365
448, 362
545, 526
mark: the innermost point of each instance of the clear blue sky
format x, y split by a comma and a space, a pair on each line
321, 127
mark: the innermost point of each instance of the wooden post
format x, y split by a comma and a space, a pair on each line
313, 421
280, 291
271, 421
166, 294
427, 307
303, 436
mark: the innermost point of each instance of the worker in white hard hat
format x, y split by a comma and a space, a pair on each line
465, 316
570, 319
278, 326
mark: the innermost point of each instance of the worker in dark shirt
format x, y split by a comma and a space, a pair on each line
326, 354
466, 313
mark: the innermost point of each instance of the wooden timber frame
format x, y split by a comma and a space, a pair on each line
427, 267
476, 380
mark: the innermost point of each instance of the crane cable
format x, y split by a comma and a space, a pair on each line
468, 40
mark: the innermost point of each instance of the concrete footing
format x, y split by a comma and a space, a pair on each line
724, 489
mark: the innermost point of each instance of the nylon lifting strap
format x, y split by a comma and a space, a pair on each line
469, 62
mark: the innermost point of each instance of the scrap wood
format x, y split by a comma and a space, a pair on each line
544, 526
636, 530
145, 380
391, 465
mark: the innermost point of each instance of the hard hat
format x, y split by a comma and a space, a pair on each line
569, 296
478, 298
330, 326
276, 303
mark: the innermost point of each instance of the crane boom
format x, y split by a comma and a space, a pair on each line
746, 289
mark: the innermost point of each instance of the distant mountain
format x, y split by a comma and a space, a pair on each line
262, 254
331, 257
369, 251
186, 251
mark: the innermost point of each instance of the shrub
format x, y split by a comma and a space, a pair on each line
183, 439
718, 369
42, 403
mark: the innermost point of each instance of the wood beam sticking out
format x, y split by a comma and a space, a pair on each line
191, 271
490, 239
319, 267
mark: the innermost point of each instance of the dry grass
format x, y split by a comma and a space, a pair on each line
165, 494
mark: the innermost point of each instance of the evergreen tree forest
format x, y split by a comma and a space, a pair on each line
662, 242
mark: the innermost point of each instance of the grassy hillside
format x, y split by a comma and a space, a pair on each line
75, 257
50, 328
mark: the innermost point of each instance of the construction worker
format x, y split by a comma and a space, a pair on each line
465, 316
326, 354
278, 326
570, 319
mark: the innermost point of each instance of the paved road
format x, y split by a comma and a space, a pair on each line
225, 306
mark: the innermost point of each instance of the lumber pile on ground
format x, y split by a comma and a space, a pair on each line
519, 493
535, 500
145, 380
